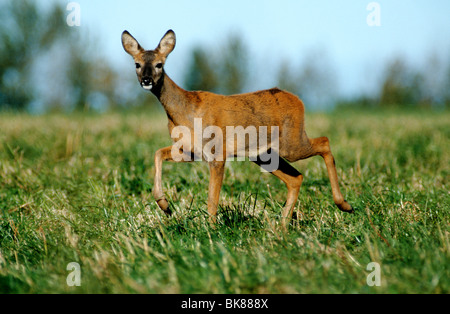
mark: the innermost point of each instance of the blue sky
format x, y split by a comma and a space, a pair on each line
279, 30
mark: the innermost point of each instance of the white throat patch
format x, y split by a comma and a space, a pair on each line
147, 87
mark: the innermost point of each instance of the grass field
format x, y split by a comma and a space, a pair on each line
78, 189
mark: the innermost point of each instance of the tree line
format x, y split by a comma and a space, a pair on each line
37, 43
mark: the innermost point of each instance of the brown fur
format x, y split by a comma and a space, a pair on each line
271, 107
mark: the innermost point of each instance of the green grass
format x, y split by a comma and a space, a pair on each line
78, 189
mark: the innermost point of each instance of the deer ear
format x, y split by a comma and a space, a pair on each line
130, 44
167, 43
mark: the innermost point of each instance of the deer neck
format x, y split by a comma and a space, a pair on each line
171, 96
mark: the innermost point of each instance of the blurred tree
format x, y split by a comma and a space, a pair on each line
286, 78
233, 66
91, 80
314, 81
436, 81
446, 88
432, 75
225, 71
201, 74
401, 86
24, 32
44, 60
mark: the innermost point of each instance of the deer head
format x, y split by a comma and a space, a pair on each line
149, 63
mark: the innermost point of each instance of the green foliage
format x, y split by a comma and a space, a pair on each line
401, 87
24, 32
77, 75
201, 74
225, 71
314, 81
78, 189
234, 66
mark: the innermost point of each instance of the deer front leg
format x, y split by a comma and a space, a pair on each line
216, 169
163, 154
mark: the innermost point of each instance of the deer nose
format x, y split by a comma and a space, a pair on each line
146, 80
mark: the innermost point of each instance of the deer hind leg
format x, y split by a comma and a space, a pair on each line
293, 180
163, 154
321, 146
216, 169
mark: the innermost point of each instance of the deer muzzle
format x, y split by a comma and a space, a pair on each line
147, 83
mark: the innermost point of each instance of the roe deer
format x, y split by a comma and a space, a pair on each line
271, 107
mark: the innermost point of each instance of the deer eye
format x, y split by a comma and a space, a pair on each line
138, 65
159, 65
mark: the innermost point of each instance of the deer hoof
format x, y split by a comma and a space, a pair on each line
164, 205
346, 207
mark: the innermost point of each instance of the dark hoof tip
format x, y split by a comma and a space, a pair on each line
346, 207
